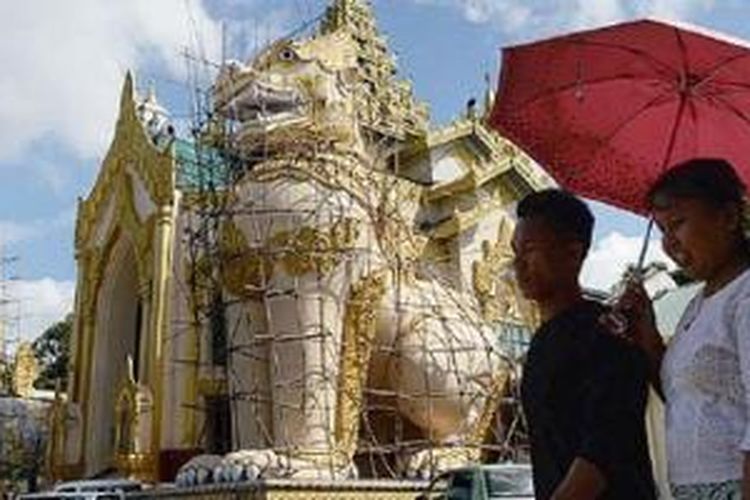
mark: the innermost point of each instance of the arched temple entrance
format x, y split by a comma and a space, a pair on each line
118, 335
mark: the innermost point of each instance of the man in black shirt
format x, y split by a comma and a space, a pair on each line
584, 391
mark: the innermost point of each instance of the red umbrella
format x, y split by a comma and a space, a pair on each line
606, 111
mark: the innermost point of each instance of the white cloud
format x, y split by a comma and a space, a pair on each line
63, 64
509, 14
675, 9
55, 177
532, 18
611, 255
36, 305
587, 13
13, 232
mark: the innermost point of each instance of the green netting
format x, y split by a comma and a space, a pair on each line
200, 167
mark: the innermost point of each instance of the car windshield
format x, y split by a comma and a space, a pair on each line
460, 488
508, 482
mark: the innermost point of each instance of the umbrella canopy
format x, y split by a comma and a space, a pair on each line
606, 111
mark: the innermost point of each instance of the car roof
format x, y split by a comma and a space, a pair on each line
97, 483
490, 467
508, 466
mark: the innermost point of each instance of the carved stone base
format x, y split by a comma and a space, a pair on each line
287, 489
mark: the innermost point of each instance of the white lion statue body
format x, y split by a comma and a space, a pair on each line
346, 328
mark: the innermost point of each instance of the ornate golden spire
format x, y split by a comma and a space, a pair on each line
388, 104
345, 13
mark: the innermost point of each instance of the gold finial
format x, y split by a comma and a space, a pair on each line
127, 93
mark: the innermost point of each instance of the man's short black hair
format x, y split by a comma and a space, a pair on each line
563, 212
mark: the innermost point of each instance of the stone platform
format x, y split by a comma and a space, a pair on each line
281, 489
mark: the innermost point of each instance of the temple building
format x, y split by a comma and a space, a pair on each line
261, 285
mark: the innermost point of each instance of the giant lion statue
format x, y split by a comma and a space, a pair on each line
347, 327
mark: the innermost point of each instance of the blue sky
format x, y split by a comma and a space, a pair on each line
64, 63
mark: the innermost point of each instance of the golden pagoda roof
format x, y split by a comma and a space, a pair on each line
388, 105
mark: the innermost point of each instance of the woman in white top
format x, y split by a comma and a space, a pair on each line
704, 372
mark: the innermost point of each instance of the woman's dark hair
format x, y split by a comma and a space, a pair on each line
561, 211
712, 180
709, 179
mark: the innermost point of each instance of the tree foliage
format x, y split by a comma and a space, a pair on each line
52, 349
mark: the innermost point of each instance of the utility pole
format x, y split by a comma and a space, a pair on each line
9, 316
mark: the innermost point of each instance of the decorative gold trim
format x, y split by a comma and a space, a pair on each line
358, 338
308, 249
495, 287
159, 316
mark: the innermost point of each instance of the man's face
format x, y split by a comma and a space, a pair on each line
544, 260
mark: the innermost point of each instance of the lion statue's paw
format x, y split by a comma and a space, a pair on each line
198, 470
247, 465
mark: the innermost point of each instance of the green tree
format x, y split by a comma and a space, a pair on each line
52, 349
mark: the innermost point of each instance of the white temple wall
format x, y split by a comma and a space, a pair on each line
180, 372
446, 165
143, 204
104, 223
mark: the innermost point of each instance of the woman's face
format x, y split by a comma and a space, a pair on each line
697, 235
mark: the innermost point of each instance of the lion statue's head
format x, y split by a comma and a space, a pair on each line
292, 91
336, 88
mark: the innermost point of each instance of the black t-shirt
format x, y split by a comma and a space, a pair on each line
584, 394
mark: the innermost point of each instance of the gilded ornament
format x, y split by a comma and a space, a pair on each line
25, 371
133, 418
494, 284
359, 333
308, 249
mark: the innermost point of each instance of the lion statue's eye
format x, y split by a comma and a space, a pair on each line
287, 55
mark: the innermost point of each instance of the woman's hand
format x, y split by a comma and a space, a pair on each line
636, 308
635, 305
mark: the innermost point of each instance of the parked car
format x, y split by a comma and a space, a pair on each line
483, 482
89, 489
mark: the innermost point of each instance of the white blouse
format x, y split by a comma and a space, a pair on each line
706, 381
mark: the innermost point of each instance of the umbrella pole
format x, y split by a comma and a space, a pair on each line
644, 249
665, 163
